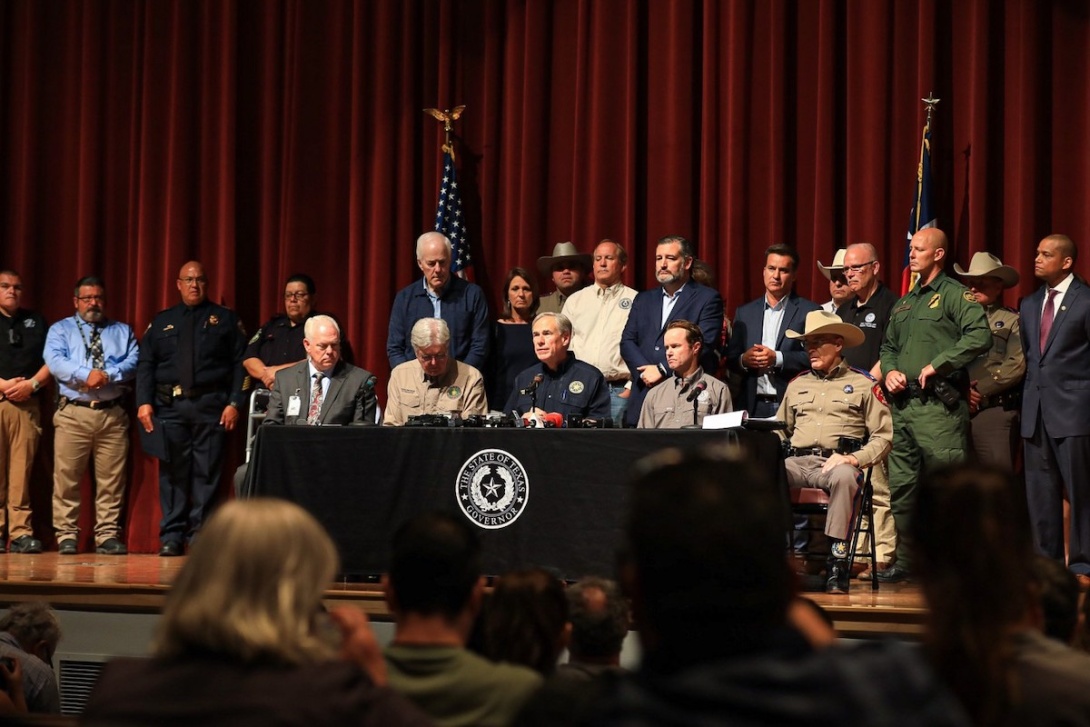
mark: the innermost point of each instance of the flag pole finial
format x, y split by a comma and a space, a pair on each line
931, 102
447, 116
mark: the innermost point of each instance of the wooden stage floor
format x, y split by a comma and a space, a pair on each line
139, 584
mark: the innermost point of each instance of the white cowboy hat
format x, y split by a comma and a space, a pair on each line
821, 323
563, 251
986, 265
836, 266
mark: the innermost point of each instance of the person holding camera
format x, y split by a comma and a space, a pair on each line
837, 424
934, 332
433, 382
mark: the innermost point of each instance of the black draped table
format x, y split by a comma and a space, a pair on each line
553, 497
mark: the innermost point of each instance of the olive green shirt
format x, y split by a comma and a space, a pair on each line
1004, 364
939, 324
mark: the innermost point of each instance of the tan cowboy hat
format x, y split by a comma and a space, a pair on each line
986, 265
836, 266
821, 323
563, 251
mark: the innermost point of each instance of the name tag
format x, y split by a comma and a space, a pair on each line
294, 404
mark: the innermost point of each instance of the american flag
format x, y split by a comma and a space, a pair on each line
923, 215
449, 219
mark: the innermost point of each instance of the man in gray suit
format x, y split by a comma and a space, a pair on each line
1055, 326
323, 389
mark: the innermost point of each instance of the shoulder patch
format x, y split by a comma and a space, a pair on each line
256, 336
879, 394
968, 296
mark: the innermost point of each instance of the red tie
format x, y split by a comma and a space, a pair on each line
1047, 317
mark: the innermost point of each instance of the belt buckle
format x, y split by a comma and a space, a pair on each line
176, 392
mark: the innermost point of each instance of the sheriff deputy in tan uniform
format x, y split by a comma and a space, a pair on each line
837, 424
434, 383
995, 377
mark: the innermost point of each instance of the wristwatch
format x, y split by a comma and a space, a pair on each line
34, 385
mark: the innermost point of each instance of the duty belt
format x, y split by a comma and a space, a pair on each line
809, 452
176, 391
1011, 399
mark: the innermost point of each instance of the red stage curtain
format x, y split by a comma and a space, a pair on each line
269, 136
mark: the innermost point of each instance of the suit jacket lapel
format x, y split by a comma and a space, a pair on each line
790, 308
1070, 299
336, 379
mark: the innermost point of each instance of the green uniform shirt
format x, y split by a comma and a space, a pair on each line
939, 324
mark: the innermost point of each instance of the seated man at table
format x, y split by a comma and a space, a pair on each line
837, 423
434, 590
433, 383
690, 394
322, 389
560, 383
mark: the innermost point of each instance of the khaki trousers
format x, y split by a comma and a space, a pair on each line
80, 433
19, 435
840, 482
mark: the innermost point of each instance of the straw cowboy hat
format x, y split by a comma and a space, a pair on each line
836, 266
986, 265
821, 323
563, 252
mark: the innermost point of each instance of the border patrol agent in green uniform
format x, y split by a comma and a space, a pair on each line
934, 332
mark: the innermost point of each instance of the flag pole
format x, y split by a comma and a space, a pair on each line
448, 215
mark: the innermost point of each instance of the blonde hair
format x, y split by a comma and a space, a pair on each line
252, 587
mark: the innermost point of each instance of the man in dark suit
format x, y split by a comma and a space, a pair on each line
758, 349
323, 389
677, 298
1055, 325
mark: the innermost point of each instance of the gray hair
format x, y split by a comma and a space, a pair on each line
598, 629
429, 332
563, 323
32, 623
314, 322
432, 237
866, 247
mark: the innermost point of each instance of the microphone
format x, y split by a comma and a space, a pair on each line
538, 378
553, 419
700, 387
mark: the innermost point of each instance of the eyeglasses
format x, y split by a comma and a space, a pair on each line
858, 268
190, 281
296, 296
90, 298
432, 357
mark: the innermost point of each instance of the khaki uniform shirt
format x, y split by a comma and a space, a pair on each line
460, 390
551, 303
665, 406
1004, 365
597, 317
939, 324
820, 409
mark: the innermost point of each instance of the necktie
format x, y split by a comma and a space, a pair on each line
1047, 317
98, 361
315, 401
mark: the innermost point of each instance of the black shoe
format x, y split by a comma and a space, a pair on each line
894, 574
839, 576
113, 546
26, 544
170, 549
67, 547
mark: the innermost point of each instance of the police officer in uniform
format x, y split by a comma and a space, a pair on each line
995, 377
934, 332
189, 377
837, 424
560, 382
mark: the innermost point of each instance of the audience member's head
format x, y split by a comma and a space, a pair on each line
526, 620
974, 557
1058, 590
252, 586
705, 564
435, 566
599, 621
35, 627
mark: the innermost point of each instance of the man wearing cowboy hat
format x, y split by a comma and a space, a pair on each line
837, 424
934, 332
568, 270
995, 377
839, 291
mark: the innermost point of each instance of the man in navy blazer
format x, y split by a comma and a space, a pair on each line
768, 362
677, 298
1055, 325
439, 295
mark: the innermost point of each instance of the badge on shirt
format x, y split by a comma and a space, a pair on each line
28, 323
213, 320
969, 296
999, 324
869, 318
453, 392
934, 302
576, 387
294, 405
625, 303
848, 388
169, 327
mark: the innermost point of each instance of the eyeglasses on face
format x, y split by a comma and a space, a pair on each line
90, 298
190, 281
859, 267
296, 295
